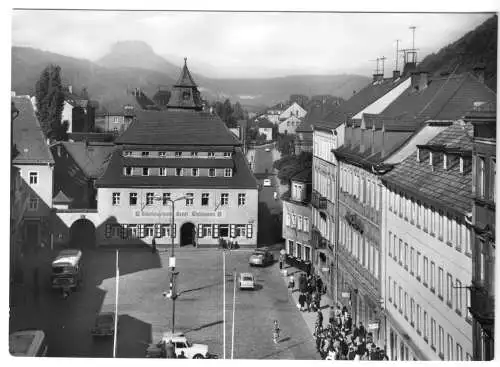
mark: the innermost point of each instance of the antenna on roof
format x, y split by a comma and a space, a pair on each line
397, 54
377, 68
413, 51
382, 59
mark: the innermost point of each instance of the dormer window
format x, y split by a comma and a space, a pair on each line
127, 171
445, 161
186, 95
228, 172
178, 154
195, 172
227, 154
419, 157
211, 172
211, 154
145, 154
162, 154
145, 171
179, 172
127, 153
431, 158
194, 154
462, 165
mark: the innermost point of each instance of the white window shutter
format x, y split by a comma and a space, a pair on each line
249, 230
141, 230
157, 230
200, 230
123, 231
233, 230
215, 233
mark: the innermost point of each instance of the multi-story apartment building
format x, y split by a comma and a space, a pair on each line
297, 217
427, 250
482, 301
35, 166
181, 155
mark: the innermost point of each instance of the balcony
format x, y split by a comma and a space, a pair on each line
482, 305
317, 240
318, 201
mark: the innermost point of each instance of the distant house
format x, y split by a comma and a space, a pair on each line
293, 110
78, 112
272, 114
289, 125
266, 128
34, 164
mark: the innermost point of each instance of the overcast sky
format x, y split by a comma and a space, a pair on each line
245, 44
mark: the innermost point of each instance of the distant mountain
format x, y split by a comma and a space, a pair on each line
135, 65
477, 46
137, 54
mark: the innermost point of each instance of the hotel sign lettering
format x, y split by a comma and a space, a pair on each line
181, 214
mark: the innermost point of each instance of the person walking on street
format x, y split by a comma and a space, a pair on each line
302, 301
276, 331
319, 319
153, 246
291, 283
308, 301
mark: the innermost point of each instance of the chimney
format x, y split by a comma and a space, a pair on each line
378, 77
12, 93
409, 68
396, 74
479, 70
70, 89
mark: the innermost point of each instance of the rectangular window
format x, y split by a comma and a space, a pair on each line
204, 198
195, 172
419, 213
211, 172
468, 316
493, 172
178, 154
448, 229
433, 333
145, 171
406, 306
224, 199
406, 256
440, 282
433, 276
306, 224
116, 198
166, 198
162, 154
375, 263
227, 154
149, 198
179, 172
33, 203
211, 154
481, 177
412, 311
240, 230
149, 230
133, 198
207, 230
449, 290
412, 260
460, 356
426, 328
390, 289
401, 252
389, 238
189, 199
400, 299
440, 215
426, 217
417, 264
426, 271
33, 178
458, 297
194, 154
127, 153
127, 171
419, 319
228, 172
299, 222
394, 292
241, 199
163, 171
441, 342
449, 348
145, 154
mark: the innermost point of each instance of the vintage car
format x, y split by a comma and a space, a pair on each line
104, 325
261, 257
267, 183
181, 343
247, 281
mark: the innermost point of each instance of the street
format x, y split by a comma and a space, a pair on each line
145, 314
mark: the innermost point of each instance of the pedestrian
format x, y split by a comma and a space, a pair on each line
281, 262
302, 301
291, 283
319, 319
319, 285
182, 355
331, 316
153, 248
308, 301
361, 330
276, 331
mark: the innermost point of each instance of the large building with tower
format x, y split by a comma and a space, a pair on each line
184, 156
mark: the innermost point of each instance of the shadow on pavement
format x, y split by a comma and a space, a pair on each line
133, 338
282, 350
210, 324
269, 225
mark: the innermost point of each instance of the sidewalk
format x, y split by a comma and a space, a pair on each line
309, 317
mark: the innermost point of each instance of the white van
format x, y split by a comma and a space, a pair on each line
28, 343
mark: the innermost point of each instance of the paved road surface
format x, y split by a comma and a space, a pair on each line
144, 313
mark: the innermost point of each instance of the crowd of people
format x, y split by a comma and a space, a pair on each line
338, 339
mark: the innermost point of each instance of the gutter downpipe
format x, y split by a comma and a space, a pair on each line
337, 213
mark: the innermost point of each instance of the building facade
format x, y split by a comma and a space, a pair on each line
427, 250
297, 217
482, 294
35, 164
184, 156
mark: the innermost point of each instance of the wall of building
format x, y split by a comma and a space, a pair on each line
67, 115
297, 230
212, 214
416, 271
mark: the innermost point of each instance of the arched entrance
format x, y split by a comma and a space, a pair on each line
82, 234
188, 234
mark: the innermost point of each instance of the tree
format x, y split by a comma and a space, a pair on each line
238, 112
285, 144
50, 100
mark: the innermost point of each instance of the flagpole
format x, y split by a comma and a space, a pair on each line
234, 309
116, 305
224, 302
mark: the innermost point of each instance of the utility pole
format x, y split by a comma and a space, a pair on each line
224, 302
397, 54
116, 305
234, 311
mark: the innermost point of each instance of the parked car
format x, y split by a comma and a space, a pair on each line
247, 281
261, 257
268, 149
104, 325
267, 182
181, 343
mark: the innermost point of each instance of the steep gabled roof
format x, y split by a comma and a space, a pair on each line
177, 128
61, 198
27, 135
91, 158
185, 79
446, 187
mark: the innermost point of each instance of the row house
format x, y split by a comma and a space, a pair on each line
34, 163
297, 217
482, 290
428, 249
328, 133
78, 112
181, 155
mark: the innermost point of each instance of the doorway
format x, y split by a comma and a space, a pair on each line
82, 234
32, 234
188, 234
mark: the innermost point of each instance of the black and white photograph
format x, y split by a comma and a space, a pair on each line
241, 183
